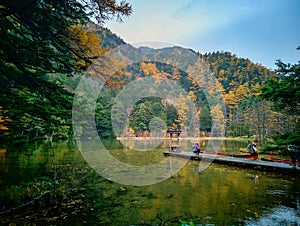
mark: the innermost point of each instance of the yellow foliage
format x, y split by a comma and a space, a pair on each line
3, 119
86, 43
230, 99
218, 119
109, 69
192, 96
150, 69
176, 74
182, 109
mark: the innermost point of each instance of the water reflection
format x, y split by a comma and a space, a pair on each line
219, 195
280, 215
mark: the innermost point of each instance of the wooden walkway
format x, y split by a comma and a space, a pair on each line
276, 167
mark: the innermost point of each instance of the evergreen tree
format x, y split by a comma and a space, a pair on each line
171, 117
140, 118
40, 38
284, 93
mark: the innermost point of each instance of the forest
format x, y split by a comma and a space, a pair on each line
46, 48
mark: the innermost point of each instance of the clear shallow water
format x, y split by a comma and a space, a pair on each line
218, 195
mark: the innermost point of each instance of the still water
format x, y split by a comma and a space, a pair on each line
217, 195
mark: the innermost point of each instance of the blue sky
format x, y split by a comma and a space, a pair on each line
261, 30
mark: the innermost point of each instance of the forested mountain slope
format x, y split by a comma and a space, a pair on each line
239, 81
233, 71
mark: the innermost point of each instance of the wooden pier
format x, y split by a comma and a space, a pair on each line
276, 167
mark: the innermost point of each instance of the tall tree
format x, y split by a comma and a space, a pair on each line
171, 117
140, 118
40, 37
284, 92
182, 109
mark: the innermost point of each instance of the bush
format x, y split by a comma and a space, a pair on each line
269, 147
290, 138
294, 138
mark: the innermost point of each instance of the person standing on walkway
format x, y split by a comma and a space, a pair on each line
294, 154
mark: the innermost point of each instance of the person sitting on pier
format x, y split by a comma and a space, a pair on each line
197, 149
252, 148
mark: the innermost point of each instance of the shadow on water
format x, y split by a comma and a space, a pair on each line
218, 195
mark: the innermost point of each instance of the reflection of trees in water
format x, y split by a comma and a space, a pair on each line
219, 195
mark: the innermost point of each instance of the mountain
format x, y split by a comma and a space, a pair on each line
109, 39
233, 71
230, 70
238, 79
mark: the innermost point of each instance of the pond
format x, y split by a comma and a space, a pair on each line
216, 195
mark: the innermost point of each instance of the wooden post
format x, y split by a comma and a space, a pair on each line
178, 141
178, 146
171, 141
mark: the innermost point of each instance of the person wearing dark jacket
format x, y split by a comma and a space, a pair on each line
252, 148
294, 154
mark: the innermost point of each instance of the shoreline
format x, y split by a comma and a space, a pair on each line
185, 138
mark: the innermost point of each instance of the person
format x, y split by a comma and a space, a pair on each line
197, 149
294, 154
252, 148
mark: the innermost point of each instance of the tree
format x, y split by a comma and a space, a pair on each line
40, 38
182, 109
118, 117
284, 93
140, 118
171, 117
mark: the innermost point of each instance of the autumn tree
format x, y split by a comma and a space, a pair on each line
40, 38
182, 111
218, 119
150, 69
